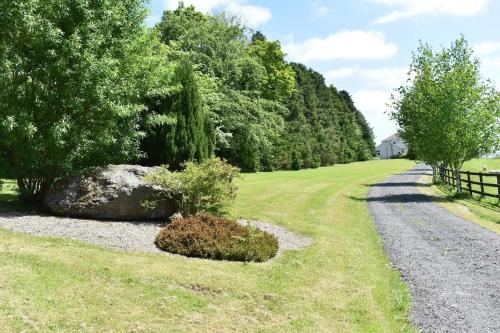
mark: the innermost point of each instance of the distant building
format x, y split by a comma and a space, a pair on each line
494, 155
391, 147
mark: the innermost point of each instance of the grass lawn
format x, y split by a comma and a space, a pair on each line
342, 283
476, 165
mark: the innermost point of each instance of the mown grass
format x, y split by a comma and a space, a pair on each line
483, 165
476, 165
343, 282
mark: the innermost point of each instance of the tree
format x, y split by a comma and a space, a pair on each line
192, 138
279, 79
448, 113
213, 43
69, 90
265, 109
366, 144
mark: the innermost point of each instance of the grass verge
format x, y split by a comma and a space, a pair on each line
343, 282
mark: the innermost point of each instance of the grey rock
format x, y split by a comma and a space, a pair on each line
114, 192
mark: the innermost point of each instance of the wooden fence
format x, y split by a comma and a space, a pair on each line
482, 183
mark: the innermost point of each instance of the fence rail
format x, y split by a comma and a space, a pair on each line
485, 182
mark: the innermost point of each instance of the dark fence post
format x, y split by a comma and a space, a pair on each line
482, 186
469, 185
498, 183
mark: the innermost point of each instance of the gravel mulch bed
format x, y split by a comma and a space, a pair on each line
120, 235
451, 265
287, 240
134, 236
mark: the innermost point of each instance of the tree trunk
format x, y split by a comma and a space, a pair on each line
435, 172
32, 190
459, 180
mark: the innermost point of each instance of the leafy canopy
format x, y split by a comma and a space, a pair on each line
447, 112
72, 75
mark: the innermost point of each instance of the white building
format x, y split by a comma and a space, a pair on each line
393, 146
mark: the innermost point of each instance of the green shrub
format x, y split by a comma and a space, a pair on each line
200, 188
210, 237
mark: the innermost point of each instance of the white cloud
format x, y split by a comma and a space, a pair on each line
345, 44
318, 9
389, 77
341, 73
380, 78
252, 16
373, 105
408, 8
486, 48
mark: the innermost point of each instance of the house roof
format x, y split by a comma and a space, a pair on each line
400, 144
392, 138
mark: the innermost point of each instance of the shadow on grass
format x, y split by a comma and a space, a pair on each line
401, 198
453, 196
10, 203
389, 184
413, 173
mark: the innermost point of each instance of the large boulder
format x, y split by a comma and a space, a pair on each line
114, 192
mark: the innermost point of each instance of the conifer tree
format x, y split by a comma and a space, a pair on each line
194, 136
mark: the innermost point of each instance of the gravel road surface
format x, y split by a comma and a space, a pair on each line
452, 266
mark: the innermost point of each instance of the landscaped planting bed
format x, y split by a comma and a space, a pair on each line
210, 237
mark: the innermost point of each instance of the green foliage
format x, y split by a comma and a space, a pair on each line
278, 82
206, 187
266, 110
214, 43
324, 126
255, 127
178, 126
90, 85
70, 93
448, 113
209, 237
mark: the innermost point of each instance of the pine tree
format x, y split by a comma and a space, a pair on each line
194, 133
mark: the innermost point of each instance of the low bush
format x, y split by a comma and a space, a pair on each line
206, 187
210, 237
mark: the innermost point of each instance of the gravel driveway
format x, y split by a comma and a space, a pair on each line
451, 265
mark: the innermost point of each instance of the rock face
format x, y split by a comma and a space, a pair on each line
114, 192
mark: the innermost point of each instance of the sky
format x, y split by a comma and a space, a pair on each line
365, 46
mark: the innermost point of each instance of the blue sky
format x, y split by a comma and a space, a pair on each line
364, 46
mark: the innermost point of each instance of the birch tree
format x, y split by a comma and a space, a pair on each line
447, 112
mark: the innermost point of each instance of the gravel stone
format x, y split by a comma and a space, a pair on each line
131, 236
287, 240
451, 265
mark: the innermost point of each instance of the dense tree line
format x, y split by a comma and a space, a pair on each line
268, 114
324, 127
87, 83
